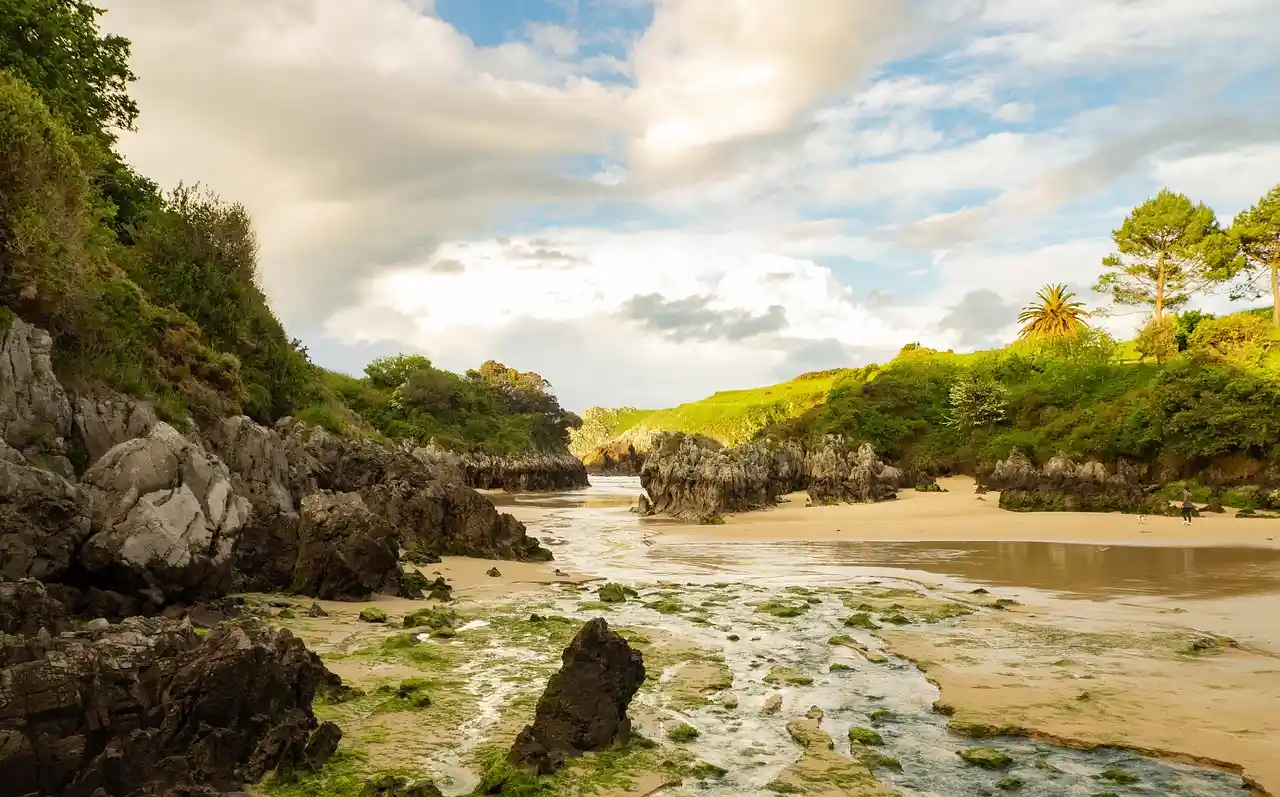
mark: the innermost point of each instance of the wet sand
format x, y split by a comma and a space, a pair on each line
959, 514
1125, 679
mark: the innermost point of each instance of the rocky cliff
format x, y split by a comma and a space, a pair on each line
687, 478
537, 472
125, 513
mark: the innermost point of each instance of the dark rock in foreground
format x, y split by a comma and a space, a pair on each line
584, 707
151, 708
26, 607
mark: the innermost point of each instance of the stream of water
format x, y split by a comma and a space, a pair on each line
591, 532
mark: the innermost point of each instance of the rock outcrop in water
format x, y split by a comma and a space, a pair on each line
689, 479
151, 708
1063, 485
584, 707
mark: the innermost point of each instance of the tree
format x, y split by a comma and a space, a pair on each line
1157, 340
976, 403
391, 372
1187, 323
1054, 314
1243, 338
1256, 235
1166, 249
55, 46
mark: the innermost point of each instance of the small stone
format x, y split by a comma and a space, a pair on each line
373, 614
733, 637
730, 702
985, 758
772, 704
493, 572
100, 624
316, 610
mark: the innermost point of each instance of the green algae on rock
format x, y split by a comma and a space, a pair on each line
373, 614
985, 757
788, 676
865, 736
682, 733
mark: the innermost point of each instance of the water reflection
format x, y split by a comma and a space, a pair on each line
1068, 569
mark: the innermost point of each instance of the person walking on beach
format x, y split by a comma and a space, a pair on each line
1188, 506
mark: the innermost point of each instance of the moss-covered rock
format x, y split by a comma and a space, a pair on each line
985, 758
373, 614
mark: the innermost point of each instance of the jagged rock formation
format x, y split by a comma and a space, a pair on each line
584, 706
44, 519
1063, 485
35, 412
346, 552
620, 458
151, 708
165, 519
26, 607
108, 419
433, 516
687, 479
266, 551
527, 473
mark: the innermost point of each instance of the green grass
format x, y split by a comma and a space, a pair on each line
729, 417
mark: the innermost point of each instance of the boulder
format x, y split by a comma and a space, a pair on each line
584, 706
44, 519
26, 607
35, 412
151, 708
346, 552
399, 786
433, 513
107, 419
266, 549
837, 473
165, 519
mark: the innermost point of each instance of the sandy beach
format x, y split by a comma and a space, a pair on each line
960, 514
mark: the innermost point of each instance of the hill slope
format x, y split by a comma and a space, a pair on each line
728, 417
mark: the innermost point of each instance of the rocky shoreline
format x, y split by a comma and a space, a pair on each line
121, 539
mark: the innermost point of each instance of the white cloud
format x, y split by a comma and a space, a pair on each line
723, 154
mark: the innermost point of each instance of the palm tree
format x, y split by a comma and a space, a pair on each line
1053, 313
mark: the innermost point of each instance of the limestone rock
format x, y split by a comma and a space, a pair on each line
584, 707
528, 473
266, 549
108, 419
1063, 485
26, 607
688, 478
432, 511
150, 708
346, 552
43, 520
35, 413
165, 519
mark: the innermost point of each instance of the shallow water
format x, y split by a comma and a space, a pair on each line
720, 582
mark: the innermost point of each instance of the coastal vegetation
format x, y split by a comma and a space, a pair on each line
156, 294
1193, 395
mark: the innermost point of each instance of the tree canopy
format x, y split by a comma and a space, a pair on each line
1167, 248
1256, 235
1055, 313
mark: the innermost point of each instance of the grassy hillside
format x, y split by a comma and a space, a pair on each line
155, 294
730, 417
1212, 408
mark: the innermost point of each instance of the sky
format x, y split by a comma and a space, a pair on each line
647, 201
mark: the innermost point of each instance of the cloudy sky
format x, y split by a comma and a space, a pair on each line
650, 200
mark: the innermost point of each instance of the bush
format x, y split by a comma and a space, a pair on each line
1243, 338
1157, 340
44, 208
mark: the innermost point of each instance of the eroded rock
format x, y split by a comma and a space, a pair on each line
107, 419
26, 607
1063, 485
584, 707
35, 412
346, 551
165, 519
44, 519
529, 473
151, 708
